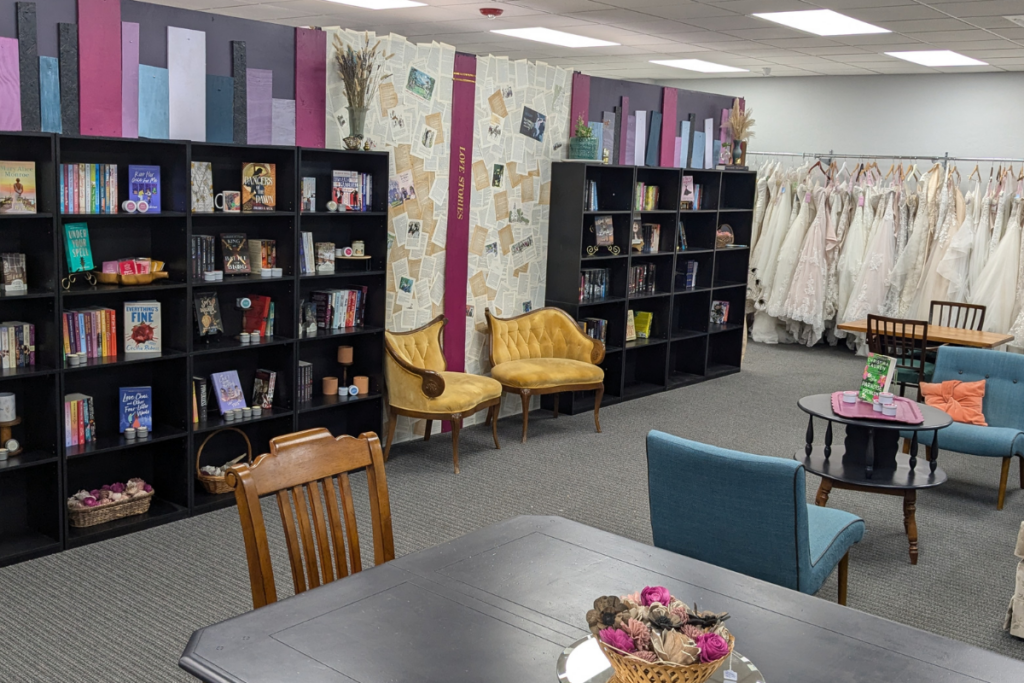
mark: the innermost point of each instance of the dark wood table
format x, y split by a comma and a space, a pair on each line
867, 461
500, 604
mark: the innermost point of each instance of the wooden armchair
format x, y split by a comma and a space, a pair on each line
299, 469
420, 386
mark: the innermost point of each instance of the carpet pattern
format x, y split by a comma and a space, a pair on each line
124, 609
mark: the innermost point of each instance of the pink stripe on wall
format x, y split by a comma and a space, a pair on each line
669, 129
10, 85
259, 92
99, 67
456, 262
310, 87
624, 131
129, 79
580, 102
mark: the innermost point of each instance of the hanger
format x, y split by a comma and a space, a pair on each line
912, 172
975, 172
818, 166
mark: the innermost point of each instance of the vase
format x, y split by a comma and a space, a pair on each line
356, 120
739, 153
583, 148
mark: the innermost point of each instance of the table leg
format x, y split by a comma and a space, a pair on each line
935, 452
828, 440
910, 522
913, 452
809, 439
869, 460
824, 488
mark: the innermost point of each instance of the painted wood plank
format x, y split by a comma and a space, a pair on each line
49, 95
624, 128
10, 85
310, 87
669, 101
259, 106
186, 72
283, 122
99, 67
153, 104
240, 105
129, 79
579, 103
67, 50
219, 107
28, 59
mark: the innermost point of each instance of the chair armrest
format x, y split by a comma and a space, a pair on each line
431, 383
597, 355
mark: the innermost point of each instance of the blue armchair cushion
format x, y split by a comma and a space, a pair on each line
831, 533
991, 442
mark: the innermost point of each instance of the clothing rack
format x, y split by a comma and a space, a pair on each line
944, 158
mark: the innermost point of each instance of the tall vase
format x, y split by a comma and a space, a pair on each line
739, 153
357, 120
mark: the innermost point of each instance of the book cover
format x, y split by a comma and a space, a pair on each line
346, 190
630, 326
199, 390
142, 329
15, 277
642, 324
255, 318
719, 312
77, 248
687, 197
202, 187
136, 408
325, 257
308, 195
878, 375
17, 187
263, 388
144, 186
691, 274
259, 187
235, 252
228, 390
208, 320
604, 230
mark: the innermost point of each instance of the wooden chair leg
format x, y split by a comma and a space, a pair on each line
492, 415
844, 575
456, 425
427, 430
555, 397
928, 453
1003, 476
910, 521
598, 395
906, 446
392, 419
1021, 470
526, 412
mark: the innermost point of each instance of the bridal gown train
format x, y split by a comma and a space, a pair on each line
805, 302
789, 254
853, 254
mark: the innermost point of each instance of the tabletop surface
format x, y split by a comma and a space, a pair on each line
820, 405
946, 335
499, 605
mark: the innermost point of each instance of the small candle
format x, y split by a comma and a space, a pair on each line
849, 397
229, 416
889, 409
129, 433
257, 411
344, 354
244, 338
254, 336
246, 412
3, 454
142, 432
876, 406
885, 398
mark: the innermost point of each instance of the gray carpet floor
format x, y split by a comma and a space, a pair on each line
123, 609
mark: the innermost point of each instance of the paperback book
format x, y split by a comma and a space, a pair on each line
228, 390
263, 389
259, 187
208, 320
88, 188
630, 326
200, 398
235, 252
17, 344
136, 408
878, 375
15, 277
17, 187
202, 187
79, 420
77, 248
142, 329
308, 195
325, 257
719, 312
642, 322
604, 231
144, 186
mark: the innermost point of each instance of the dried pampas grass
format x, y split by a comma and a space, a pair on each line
741, 122
360, 70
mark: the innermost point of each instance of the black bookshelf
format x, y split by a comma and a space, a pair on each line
35, 484
683, 347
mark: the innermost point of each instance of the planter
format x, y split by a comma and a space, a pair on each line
739, 153
357, 120
583, 148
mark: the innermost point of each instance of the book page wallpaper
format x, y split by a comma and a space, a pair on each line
411, 118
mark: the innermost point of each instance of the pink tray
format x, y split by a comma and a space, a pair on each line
907, 411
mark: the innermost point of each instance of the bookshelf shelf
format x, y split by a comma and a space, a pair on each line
321, 401
342, 332
683, 349
34, 485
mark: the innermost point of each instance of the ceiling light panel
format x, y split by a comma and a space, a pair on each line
547, 35
381, 4
697, 65
937, 58
823, 22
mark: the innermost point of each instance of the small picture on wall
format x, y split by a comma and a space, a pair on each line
414, 228
406, 190
405, 284
533, 124
491, 250
428, 137
497, 174
394, 192
420, 84
527, 306
469, 311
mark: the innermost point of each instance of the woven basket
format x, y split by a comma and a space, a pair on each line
108, 513
629, 669
213, 484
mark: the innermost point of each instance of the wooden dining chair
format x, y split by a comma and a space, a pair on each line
307, 471
907, 342
958, 315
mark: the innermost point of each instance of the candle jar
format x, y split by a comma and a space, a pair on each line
330, 386
358, 248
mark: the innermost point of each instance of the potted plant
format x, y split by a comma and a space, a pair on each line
742, 124
583, 145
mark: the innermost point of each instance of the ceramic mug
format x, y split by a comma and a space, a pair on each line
229, 201
129, 206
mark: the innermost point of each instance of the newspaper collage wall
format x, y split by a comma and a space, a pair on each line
522, 115
412, 119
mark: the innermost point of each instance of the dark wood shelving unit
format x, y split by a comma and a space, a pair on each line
34, 485
684, 347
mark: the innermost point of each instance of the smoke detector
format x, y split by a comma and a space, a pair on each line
766, 71
491, 13
1017, 19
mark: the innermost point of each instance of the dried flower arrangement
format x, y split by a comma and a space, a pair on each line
741, 121
109, 502
360, 70
646, 631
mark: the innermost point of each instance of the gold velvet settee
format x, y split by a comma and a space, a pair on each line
545, 352
419, 385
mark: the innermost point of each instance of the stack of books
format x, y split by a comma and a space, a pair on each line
641, 279
592, 196
593, 284
202, 255
262, 255
650, 233
92, 331
307, 254
263, 389
79, 420
339, 308
691, 274
88, 188
646, 198
17, 344
595, 328
690, 198
352, 190
305, 382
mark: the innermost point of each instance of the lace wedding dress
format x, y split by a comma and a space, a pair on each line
998, 281
955, 265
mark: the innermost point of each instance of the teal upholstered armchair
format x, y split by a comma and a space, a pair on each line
1003, 407
745, 512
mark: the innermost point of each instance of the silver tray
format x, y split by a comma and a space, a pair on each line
583, 662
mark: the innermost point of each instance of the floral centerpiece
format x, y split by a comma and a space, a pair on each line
651, 636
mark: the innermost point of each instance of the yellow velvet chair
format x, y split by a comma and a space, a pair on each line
545, 352
420, 386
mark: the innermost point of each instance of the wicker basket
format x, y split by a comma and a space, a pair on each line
629, 669
211, 483
108, 513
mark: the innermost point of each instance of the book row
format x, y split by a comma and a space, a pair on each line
594, 284
17, 344
93, 331
641, 279
338, 308
239, 255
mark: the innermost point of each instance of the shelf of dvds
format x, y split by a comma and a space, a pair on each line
598, 211
34, 485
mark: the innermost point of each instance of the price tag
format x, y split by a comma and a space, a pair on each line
729, 675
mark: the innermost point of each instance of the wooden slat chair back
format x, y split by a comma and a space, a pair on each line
299, 469
959, 315
904, 340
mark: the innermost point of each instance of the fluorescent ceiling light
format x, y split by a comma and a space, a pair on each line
547, 35
697, 65
823, 22
381, 4
937, 58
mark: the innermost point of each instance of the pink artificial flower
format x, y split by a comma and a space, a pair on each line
712, 647
105, 487
94, 493
620, 640
90, 502
117, 488
147, 488
653, 594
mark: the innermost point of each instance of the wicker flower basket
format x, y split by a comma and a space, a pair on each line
629, 669
100, 514
214, 484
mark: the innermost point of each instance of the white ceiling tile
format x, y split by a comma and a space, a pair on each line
951, 36
681, 11
751, 6
979, 8
798, 43
766, 33
732, 23
922, 25
835, 50
559, 6
259, 12
896, 13
1015, 33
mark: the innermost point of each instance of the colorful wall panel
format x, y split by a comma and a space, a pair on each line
310, 87
259, 106
28, 58
154, 122
186, 83
99, 67
283, 122
49, 95
10, 85
67, 58
129, 79
220, 108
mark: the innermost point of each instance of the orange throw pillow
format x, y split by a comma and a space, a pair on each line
960, 400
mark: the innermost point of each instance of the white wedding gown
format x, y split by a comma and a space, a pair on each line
956, 263
998, 281
805, 302
870, 288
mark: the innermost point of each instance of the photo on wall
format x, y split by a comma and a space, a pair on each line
533, 124
420, 84
497, 174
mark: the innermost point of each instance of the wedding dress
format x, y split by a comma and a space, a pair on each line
789, 255
906, 274
805, 302
998, 281
760, 204
869, 290
934, 285
956, 263
982, 235
841, 220
769, 256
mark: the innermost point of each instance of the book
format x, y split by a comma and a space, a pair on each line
682, 238
595, 328
79, 420
259, 187
642, 323
262, 255
604, 231
202, 187
324, 257
18, 186
77, 248
228, 390
686, 196
346, 190
305, 381
202, 399
594, 284
142, 329
257, 316
630, 326
263, 388
136, 408
234, 248
719, 312
15, 277
878, 375
691, 274
17, 344
308, 195
208, 320
144, 186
